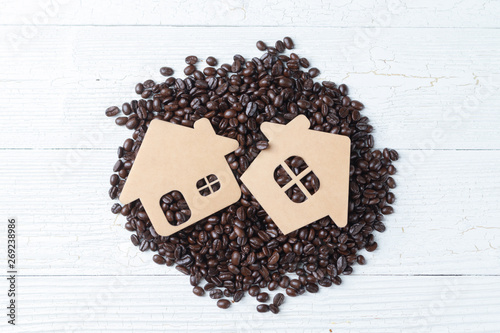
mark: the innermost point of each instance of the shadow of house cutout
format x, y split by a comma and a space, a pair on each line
178, 158
326, 155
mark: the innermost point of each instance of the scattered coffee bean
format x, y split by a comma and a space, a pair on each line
262, 297
223, 303
117, 208
288, 43
198, 291
112, 111
262, 308
261, 45
191, 60
278, 299
166, 71
211, 61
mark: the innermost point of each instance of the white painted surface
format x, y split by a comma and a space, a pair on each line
422, 69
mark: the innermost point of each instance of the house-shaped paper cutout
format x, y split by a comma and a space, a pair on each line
174, 157
326, 154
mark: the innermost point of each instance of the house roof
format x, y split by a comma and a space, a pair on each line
171, 153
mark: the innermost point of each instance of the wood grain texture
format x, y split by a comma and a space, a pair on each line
438, 91
428, 73
166, 303
446, 219
274, 13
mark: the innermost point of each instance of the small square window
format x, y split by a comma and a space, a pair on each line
208, 185
296, 178
175, 208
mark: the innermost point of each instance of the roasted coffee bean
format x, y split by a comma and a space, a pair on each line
112, 111
238, 296
191, 60
312, 288
291, 292
254, 291
262, 308
278, 299
189, 69
288, 43
223, 303
216, 293
211, 61
166, 71
240, 249
280, 46
116, 209
262, 297
159, 259
274, 309
120, 121
198, 291
261, 45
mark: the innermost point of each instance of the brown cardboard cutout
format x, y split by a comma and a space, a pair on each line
174, 157
327, 155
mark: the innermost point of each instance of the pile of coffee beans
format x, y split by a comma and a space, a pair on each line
240, 250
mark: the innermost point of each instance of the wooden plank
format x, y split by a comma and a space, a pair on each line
370, 13
166, 303
438, 91
446, 219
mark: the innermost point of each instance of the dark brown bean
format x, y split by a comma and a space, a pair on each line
166, 71
261, 45
116, 209
211, 61
112, 111
262, 297
223, 303
262, 308
198, 291
191, 60
288, 43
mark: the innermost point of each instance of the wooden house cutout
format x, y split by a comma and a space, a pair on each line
327, 155
174, 157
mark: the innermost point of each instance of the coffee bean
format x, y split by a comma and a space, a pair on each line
254, 291
274, 309
288, 43
117, 208
216, 294
223, 303
198, 291
120, 121
189, 70
238, 296
166, 71
191, 60
159, 259
112, 111
280, 46
132, 123
262, 297
211, 61
278, 299
262, 308
261, 45
312, 288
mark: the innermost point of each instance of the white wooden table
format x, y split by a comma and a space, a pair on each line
427, 71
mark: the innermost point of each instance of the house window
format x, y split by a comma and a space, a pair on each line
208, 185
296, 179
